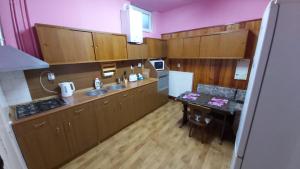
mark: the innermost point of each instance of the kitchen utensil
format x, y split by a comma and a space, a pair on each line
67, 89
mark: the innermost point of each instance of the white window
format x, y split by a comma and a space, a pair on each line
147, 19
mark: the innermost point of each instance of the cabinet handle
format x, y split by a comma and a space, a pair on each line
125, 95
106, 102
57, 130
70, 125
39, 124
79, 110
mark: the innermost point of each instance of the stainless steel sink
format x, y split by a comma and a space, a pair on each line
96, 92
115, 87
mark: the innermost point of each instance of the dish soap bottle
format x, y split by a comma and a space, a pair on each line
97, 84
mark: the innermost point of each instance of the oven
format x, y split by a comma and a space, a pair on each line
163, 80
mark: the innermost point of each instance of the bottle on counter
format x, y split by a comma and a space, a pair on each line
98, 84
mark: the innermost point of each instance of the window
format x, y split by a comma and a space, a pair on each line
147, 19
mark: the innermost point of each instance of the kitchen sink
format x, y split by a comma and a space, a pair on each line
115, 87
96, 92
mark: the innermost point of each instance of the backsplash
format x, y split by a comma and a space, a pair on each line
14, 87
83, 76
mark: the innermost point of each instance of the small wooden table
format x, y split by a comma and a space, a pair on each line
228, 109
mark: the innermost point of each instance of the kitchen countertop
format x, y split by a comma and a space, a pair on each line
78, 98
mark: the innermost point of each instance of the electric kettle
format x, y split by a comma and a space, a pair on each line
67, 88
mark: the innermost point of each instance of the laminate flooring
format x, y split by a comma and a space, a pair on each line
156, 142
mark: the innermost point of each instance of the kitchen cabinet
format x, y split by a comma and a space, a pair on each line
51, 140
226, 45
137, 51
141, 102
127, 108
61, 45
210, 46
107, 116
233, 44
223, 45
175, 48
109, 47
156, 47
43, 142
81, 128
151, 97
191, 47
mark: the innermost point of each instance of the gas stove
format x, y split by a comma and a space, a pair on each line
30, 109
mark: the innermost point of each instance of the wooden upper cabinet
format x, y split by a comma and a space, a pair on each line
61, 45
156, 47
137, 51
43, 142
226, 45
191, 47
209, 46
233, 45
175, 48
110, 47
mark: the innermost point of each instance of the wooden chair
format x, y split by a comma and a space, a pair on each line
199, 117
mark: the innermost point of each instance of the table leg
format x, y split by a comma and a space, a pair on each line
223, 129
184, 116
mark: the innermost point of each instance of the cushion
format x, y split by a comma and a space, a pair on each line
240, 95
216, 91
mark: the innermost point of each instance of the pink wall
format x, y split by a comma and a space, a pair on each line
102, 15
209, 13
7, 24
155, 26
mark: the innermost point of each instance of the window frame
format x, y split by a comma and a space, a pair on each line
143, 11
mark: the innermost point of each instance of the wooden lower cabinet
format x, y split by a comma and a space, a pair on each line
107, 117
50, 141
81, 128
43, 142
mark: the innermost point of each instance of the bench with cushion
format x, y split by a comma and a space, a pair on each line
229, 93
217, 91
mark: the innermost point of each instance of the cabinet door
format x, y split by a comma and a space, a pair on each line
210, 46
60, 45
137, 51
119, 47
155, 47
127, 108
81, 127
133, 51
191, 47
110, 47
233, 44
107, 117
141, 102
175, 48
43, 142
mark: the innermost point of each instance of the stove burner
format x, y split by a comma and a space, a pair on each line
29, 109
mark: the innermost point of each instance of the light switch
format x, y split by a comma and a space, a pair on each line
178, 65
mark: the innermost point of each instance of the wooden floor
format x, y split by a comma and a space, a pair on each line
156, 142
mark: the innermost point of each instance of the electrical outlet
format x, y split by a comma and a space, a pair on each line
139, 65
178, 65
51, 76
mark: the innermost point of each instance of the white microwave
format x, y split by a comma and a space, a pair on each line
158, 64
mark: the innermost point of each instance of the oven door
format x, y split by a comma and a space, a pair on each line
163, 82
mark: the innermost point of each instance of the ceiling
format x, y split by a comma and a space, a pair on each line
160, 5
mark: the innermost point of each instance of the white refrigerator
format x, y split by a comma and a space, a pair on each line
269, 133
